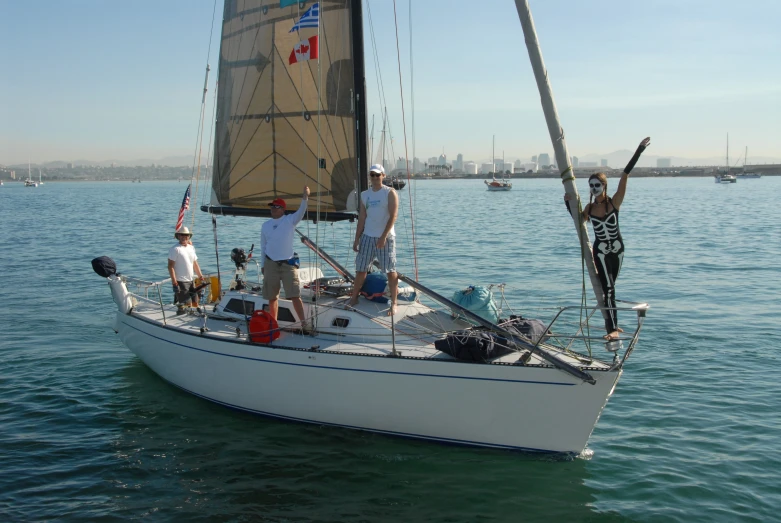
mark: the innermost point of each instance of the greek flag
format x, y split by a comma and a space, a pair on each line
309, 19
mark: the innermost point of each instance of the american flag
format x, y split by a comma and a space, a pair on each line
309, 19
185, 206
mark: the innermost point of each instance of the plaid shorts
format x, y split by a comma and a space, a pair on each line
368, 252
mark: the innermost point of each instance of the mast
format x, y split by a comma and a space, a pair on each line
493, 155
359, 81
559, 144
745, 157
727, 153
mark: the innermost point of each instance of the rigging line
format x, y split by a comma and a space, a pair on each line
412, 187
406, 154
319, 136
210, 151
196, 172
207, 178
376, 56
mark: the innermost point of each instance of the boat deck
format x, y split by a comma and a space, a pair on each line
365, 329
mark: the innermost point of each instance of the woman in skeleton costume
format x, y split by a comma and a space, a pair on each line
608, 250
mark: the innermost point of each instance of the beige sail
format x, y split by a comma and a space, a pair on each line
283, 125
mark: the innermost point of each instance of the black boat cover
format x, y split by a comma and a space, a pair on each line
104, 266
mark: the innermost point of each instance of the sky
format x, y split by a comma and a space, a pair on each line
104, 80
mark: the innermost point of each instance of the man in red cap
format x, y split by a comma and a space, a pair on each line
276, 257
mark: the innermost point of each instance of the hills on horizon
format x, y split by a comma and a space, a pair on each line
616, 160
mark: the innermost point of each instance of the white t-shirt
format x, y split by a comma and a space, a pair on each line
183, 257
276, 236
377, 213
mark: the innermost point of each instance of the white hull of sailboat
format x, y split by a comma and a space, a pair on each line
486, 405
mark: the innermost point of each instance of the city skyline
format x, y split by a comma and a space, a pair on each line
84, 86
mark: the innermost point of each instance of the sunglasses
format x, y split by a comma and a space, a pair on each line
375, 175
275, 206
595, 185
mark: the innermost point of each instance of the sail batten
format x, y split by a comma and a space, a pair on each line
286, 107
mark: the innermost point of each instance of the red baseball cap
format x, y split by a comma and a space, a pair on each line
280, 202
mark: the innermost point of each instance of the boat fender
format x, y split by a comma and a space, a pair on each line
263, 328
121, 296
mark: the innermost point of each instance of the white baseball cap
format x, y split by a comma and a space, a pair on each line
377, 168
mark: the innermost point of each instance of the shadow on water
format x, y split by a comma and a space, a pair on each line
183, 457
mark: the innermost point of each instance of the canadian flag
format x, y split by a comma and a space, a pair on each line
304, 50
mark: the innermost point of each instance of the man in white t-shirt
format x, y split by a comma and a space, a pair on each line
276, 254
375, 237
182, 267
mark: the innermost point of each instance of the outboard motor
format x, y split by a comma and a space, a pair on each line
239, 258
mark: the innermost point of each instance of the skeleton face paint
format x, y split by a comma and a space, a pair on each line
596, 188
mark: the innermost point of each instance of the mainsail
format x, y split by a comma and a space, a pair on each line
291, 107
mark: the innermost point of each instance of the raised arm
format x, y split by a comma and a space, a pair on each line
618, 197
299, 214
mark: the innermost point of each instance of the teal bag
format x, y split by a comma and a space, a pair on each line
479, 300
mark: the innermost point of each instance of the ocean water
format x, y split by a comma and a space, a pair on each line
692, 433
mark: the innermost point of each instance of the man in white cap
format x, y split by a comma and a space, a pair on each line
182, 267
375, 237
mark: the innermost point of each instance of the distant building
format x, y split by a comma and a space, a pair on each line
534, 159
588, 164
517, 164
442, 160
603, 162
432, 160
530, 166
574, 161
70, 166
543, 160
486, 168
664, 162
507, 166
417, 165
459, 163
470, 168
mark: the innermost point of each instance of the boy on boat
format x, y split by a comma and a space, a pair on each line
182, 267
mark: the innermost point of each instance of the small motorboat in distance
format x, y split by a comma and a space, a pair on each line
395, 182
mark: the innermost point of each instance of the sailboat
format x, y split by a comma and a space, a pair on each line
40, 182
744, 175
502, 184
725, 177
29, 181
409, 374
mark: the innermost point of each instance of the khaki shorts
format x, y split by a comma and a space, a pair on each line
275, 273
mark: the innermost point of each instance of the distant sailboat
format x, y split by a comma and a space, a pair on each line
40, 182
744, 174
29, 181
502, 184
726, 177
